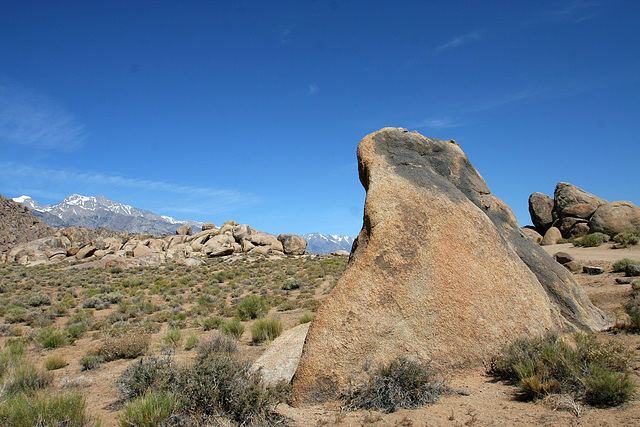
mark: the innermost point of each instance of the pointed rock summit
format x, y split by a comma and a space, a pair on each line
440, 272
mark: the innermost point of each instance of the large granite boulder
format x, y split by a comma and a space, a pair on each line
293, 244
569, 198
616, 217
440, 272
541, 210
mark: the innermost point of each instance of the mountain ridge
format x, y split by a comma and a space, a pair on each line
99, 211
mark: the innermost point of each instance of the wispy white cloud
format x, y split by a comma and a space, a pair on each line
285, 34
459, 41
36, 181
570, 12
31, 119
500, 100
313, 89
437, 123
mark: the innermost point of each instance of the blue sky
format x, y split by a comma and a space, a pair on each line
252, 111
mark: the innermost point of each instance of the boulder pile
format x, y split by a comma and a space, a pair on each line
572, 213
441, 272
123, 249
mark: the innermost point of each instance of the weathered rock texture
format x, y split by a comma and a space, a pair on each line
440, 271
78, 243
18, 225
576, 213
280, 360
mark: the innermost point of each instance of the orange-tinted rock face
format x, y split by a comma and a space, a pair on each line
434, 274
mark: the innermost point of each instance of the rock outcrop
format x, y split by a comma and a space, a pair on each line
440, 272
292, 244
18, 225
576, 213
77, 243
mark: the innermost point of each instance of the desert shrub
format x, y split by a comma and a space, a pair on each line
402, 383
90, 361
141, 376
305, 318
252, 307
217, 343
627, 239
547, 365
266, 329
173, 338
233, 328
75, 331
55, 361
67, 410
191, 342
621, 264
24, 378
151, 410
95, 302
591, 240
608, 388
127, 346
292, 283
39, 299
212, 323
220, 383
17, 314
51, 338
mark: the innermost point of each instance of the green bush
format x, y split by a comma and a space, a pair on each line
52, 338
591, 240
266, 329
55, 361
90, 361
608, 388
191, 342
627, 239
151, 410
212, 323
24, 378
67, 410
547, 365
621, 264
173, 338
305, 318
402, 383
233, 328
252, 307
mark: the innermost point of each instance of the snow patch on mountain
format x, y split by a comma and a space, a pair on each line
326, 243
99, 211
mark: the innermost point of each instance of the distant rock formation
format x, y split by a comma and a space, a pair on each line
575, 213
121, 249
18, 225
440, 272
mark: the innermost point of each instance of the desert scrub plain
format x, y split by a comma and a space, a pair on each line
76, 333
137, 346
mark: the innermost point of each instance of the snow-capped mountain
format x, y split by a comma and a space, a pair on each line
98, 211
326, 243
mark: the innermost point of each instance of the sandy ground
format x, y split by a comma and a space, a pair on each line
485, 402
